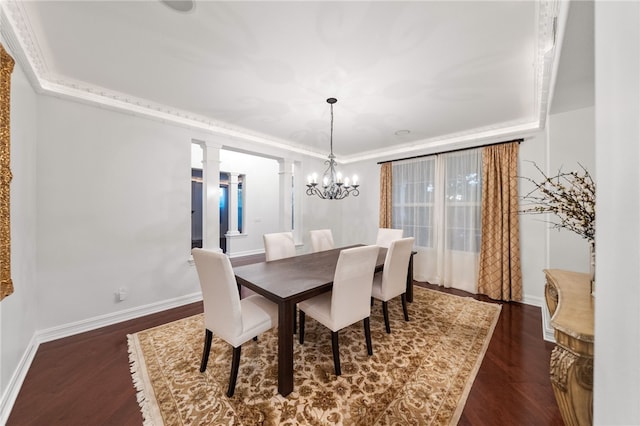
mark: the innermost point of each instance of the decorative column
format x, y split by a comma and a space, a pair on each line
233, 204
286, 194
211, 195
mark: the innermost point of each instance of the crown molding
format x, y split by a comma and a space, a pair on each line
468, 139
550, 31
18, 32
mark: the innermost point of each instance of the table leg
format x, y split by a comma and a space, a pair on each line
285, 347
410, 280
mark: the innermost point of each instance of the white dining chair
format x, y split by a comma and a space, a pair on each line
321, 240
234, 320
386, 235
279, 245
392, 282
348, 301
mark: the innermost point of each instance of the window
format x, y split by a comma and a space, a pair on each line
462, 200
437, 200
413, 199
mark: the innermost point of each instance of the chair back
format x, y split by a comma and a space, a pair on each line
321, 240
352, 282
396, 264
279, 245
222, 313
386, 235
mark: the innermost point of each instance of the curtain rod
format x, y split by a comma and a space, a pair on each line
449, 151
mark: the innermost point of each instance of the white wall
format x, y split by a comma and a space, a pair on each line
322, 214
617, 311
533, 229
360, 216
113, 211
571, 144
18, 311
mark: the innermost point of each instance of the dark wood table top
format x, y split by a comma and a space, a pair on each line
287, 282
295, 278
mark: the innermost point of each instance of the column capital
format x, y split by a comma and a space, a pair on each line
285, 165
211, 144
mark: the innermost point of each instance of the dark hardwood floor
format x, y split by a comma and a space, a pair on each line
85, 380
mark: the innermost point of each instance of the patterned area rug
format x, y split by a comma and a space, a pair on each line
421, 373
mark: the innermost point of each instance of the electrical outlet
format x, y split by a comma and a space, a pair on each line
122, 293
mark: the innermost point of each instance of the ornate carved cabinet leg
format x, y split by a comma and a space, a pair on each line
570, 304
572, 381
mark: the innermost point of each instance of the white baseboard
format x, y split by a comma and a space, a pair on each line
53, 333
246, 253
15, 383
547, 330
89, 324
533, 301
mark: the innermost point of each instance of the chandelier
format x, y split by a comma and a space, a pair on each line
333, 186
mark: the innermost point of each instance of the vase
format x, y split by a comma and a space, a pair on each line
592, 266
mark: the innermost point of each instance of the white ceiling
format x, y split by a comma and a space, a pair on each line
446, 71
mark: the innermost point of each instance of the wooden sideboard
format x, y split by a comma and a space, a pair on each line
568, 297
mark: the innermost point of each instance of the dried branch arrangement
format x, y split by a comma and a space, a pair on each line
570, 196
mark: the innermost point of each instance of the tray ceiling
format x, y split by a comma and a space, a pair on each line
407, 75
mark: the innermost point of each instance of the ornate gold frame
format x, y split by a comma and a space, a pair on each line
6, 67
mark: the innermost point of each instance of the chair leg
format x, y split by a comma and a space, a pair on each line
336, 352
235, 364
404, 306
208, 335
255, 339
301, 335
385, 313
372, 301
367, 336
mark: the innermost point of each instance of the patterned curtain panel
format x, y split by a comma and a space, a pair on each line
6, 67
385, 195
500, 275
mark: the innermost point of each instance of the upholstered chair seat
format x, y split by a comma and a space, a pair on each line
349, 300
234, 320
392, 282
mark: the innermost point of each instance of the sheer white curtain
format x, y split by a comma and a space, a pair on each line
437, 201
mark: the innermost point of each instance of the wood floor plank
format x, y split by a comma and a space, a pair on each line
85, 379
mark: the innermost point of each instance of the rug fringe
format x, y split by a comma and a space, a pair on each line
139, 382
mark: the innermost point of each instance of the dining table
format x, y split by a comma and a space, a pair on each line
289, 281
